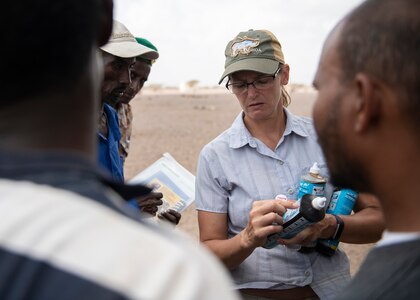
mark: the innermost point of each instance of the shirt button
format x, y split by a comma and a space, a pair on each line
281, 163
290, 191
307, 273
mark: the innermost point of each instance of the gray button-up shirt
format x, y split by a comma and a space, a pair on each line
236, 169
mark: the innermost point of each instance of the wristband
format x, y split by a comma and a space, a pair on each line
339, 229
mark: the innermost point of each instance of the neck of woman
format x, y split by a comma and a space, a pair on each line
270, 130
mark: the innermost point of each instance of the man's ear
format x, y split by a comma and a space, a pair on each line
105, 22
368, 102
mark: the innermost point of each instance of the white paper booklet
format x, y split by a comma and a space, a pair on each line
170, 178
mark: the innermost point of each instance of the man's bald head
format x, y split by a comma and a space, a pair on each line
381, 38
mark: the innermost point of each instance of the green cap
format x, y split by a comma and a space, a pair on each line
152, 54
147, 43
253, 50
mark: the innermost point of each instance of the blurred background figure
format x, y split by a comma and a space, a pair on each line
65, 231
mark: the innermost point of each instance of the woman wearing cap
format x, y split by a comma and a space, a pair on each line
264, 153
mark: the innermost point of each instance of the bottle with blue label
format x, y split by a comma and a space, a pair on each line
310, 211
312, 183
342, 203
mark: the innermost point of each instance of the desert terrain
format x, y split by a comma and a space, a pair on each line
167, 120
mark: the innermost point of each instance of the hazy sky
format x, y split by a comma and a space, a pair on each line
191, 36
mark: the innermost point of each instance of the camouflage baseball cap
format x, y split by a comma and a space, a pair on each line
253, 50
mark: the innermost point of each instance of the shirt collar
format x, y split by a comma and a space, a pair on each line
389, 238
293, 124
240, 135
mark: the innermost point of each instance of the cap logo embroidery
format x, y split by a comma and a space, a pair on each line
244, 46
122, 35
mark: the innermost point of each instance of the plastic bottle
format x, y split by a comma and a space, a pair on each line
312, 183
310, 211
342, 203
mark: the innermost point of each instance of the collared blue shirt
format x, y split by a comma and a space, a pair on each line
108, 150
236, 169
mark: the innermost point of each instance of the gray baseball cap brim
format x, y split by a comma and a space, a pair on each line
260, 65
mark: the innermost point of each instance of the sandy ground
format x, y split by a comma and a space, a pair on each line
182, 124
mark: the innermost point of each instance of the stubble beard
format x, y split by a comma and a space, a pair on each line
346, 171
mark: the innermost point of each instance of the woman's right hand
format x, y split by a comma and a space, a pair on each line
265, 218
233, 251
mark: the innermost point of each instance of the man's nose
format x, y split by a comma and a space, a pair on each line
126, 77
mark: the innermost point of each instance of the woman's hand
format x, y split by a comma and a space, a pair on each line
265, 218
